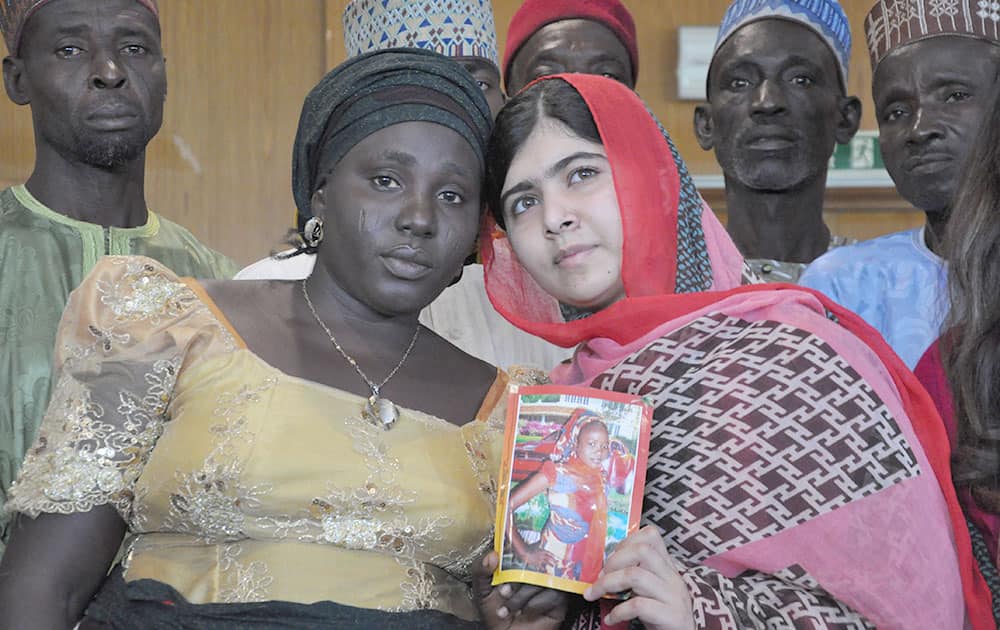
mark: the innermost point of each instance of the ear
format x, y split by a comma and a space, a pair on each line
850, 119
317, 203
704, 127
14, 80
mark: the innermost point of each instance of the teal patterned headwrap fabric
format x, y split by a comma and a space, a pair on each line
374, 91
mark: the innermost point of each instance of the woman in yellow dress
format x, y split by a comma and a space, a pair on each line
281, 451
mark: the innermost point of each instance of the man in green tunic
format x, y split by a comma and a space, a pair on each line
93, 74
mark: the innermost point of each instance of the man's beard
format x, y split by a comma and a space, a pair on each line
112, 151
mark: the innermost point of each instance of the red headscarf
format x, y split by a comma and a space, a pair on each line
665, 252
534, 14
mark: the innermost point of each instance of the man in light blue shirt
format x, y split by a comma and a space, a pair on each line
931, 81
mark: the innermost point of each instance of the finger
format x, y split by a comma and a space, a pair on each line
549, 560
649, 612
482, 574
544, 602
642, 583
648, 537
644, 554
520, 596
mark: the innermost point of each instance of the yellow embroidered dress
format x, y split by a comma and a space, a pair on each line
240, 483
43, 256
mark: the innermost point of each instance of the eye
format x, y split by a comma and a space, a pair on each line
67, 52
450, 196
738, 84
483, 85
611, 75
384, 182
957, 97
134, 50
802, 80
893, 114
582, 173
523, 204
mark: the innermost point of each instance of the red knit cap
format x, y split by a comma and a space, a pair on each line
534, 14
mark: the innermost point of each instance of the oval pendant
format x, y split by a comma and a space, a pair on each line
381, 411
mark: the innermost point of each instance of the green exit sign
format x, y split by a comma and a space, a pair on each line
860, 154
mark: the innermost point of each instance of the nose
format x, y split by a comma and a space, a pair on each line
558, 216
106, 73
924, 127
768, 98
418, 217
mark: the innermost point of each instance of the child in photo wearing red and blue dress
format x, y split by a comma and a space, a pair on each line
584, 465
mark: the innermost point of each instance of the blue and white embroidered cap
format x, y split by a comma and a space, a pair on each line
454, 28
824, 17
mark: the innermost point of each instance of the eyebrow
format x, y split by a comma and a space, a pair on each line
399, 157
457, 169
603, 57
550, 172
132, 31
74, 29
799, 60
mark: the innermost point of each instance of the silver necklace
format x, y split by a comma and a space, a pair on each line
378, 410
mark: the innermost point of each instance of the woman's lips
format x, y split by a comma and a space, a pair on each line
573, 254
407, 263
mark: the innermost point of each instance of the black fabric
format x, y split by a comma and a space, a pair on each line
373, 91
982, 554
153, 605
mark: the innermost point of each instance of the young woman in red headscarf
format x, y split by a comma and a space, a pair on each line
787, 485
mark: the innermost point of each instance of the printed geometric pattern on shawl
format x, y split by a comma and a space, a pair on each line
791, 595
694, 266
759, 426
788, 598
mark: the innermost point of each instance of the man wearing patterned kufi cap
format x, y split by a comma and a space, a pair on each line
463, 30
777, 106
92, 72
933, 65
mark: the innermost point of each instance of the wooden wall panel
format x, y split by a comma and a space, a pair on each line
239, 69
238, 72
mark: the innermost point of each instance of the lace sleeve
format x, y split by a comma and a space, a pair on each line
484, 439
127, 333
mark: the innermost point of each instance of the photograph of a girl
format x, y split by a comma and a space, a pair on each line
573, 510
